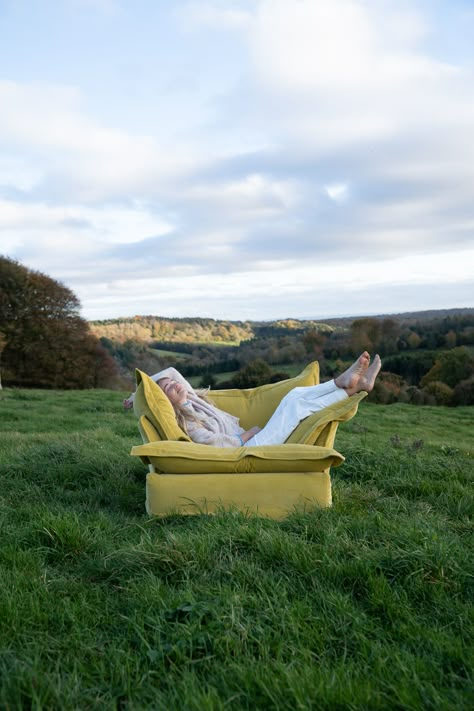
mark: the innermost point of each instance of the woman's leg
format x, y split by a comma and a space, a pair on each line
299, 403
296, 406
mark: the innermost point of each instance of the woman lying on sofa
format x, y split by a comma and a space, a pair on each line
207, 424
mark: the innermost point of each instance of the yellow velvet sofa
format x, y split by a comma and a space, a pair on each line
189, 478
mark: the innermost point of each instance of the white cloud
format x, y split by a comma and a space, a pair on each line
337, 192
318, 288
339, 45
75, 153
327, 129
333, 73
254, 196
74, 237
18, 172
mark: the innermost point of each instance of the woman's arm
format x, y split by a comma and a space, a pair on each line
248, 434
201, 435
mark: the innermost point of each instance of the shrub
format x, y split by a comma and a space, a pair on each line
388, 388
255, 373
464, 392
451, 368
442, 393
382, 394
415, 396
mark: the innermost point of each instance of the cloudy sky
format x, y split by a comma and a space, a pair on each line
241, 158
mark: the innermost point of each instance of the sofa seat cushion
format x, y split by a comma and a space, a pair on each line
189, 458
255, 406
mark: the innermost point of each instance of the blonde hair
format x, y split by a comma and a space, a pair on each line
185, 413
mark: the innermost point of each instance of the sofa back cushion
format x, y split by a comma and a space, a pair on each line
255, 406
151, 402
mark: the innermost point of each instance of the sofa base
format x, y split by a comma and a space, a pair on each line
271, 495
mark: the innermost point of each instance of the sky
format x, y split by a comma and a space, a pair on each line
241, 159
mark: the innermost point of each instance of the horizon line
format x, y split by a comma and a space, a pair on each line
287, 318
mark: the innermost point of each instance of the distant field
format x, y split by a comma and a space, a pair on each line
291, 370
223, 344
367, 605
175, 354
196, 380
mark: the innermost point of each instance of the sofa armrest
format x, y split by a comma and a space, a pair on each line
172, 457
309, 430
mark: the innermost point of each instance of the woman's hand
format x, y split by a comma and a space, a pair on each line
250, 433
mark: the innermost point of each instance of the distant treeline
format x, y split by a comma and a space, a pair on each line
427, 360
428, 357
144, 329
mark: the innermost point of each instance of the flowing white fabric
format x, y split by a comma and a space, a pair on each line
298, 404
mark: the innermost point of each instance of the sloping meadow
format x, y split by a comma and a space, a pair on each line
367, 605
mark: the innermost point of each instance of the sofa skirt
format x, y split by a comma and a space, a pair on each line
265, 494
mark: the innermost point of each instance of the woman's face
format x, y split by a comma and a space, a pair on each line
175, 392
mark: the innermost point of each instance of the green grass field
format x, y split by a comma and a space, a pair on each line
367, 605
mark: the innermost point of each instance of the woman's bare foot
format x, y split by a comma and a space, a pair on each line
128, 403
349, 379
367, 379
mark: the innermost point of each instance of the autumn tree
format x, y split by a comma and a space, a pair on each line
451, 367
375, 335
451, 339
314, 341
46, 342
365, 335
413, 340
389, 336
